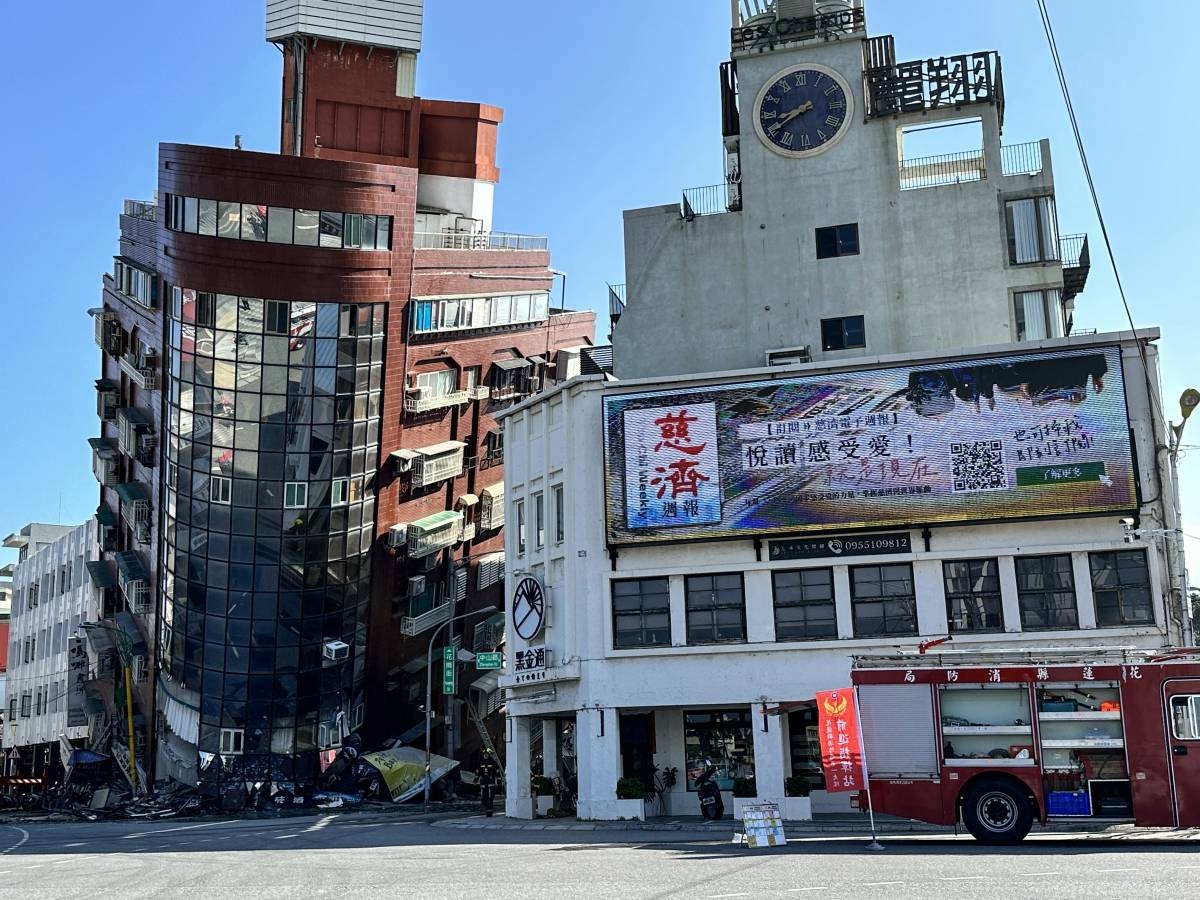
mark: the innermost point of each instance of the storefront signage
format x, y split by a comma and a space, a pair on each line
763, 826
1010, 437
77, 666
841, 748
866, 545
530, 664
449, 670
528, 607
998, 674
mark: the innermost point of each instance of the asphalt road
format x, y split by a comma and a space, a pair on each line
361, 855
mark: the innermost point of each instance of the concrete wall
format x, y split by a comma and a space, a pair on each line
932, 271
558, 439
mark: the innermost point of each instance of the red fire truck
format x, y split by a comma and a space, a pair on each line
997, 739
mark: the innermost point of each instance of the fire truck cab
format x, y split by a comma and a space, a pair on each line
999, 739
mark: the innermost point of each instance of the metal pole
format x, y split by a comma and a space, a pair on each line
862, 749
1185, 603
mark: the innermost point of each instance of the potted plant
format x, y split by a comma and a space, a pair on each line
631, 799
543, 791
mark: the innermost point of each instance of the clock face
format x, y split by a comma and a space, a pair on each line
804, 110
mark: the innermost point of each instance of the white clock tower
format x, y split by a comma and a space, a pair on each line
826, 241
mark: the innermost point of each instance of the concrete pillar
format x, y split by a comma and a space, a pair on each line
770, 755
598, 744
1011, 604
1085, 600
931, 597
549, 747
760, 607
518, 800
842, 603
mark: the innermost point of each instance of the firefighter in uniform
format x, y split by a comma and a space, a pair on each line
487, 776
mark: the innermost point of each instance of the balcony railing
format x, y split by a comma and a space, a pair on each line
419, 401
935, 171
411, 625
710, 200
432, 467
443, 531
1076, 263
143, 371
468, 533
1021, 159
479, 240
616, 302
479, 392
104, 461
142, 209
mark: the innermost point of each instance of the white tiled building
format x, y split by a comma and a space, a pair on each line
52, 595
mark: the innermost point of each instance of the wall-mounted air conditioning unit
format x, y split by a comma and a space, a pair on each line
397, 536
458, 583
336, 651
416, 585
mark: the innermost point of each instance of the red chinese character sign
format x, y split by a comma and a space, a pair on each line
671, 466
841, 747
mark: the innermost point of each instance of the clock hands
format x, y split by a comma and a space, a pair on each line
799, 110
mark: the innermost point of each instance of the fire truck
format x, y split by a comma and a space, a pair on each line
999, 739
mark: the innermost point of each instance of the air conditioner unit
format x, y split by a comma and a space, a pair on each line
336, 651
416, 586
428, 563
458, 583
397, 536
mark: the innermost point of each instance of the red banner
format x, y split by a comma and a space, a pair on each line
841, 746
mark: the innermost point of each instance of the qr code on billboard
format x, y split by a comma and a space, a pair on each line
978, 466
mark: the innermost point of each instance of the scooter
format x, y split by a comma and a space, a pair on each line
709, 794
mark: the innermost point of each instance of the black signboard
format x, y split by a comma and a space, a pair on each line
858, 545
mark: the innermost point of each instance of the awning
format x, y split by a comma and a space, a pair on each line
99, 638
494, 492
487, 682
106, 516
130, 566
135, 416
132, 631
404, 455
131, 491
507, 365
183, 716
468, 500
538, 360
436, 521
102, 573
440, 449
107, 384
102, 443
96, 311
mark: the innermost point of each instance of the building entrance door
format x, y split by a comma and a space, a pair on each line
1182, 699
637, 747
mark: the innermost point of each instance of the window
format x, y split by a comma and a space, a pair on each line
1185, 717
1038, 314
1046, 592
231, 741
26, 705
843, 333
441, 383
279, 225
340, 487
539, 521
222, 489
560, 514
837, 240
884, 600
641, 610
520, 506
716, 609
1032, 230
1121, 587
307, 227
229, 220
973, 595
12, 709
726, 736
277, 317
295, 494
331, 229
804, 609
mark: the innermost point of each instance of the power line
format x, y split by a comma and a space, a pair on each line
1087, 171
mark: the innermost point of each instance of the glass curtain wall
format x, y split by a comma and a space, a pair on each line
270, 404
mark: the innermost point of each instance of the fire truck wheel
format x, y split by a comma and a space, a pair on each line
996, 811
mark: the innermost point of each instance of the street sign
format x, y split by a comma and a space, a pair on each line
449, 670
489, 660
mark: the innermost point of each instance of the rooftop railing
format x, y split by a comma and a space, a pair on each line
1072, 249
1021, 159
479, 240
142, 209
935, 171
710, 200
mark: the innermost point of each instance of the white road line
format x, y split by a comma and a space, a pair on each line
24, 838
798, 890
718, 896
320, 823
879, 883
38, 866
1037, 874
76, 844
166, 830
1116, 870
965, 878
1187, 867
286, 836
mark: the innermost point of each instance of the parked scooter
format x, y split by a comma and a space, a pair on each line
709, 794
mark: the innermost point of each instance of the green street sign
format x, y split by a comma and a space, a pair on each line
1067, 473
489, 660
449, 670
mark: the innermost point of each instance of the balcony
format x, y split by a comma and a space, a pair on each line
142, 370
135, 509
616, 302
107, 397
491, 507
141, 209
935, 171
420, 400
437, 463
1021, 159
468, 533
478, 240
132, 425
711, 200
479, 392
434, 533
105, 465
108, 335
134, 581
413, 625
1076, 263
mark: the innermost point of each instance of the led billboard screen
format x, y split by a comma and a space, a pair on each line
1035, 434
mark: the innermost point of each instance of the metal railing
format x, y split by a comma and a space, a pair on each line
710, 200
616, 301
142, 209
1072, 250
949, 168
1021, 159
420, 402
479, 240
412, 625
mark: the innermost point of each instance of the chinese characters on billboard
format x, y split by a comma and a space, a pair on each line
969, 440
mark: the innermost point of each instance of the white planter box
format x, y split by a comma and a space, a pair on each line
543, 804
793, 809
630, 809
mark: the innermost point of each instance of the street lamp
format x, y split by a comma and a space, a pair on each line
1188, 401
125, 650
429, 686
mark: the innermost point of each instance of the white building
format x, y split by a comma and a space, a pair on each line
52, 595
990, 509
829, 239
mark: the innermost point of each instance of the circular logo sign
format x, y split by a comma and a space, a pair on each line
528, 608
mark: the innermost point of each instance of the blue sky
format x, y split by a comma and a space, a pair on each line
608, 106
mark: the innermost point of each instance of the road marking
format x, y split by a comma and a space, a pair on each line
1037, 874
1187, 867
285, 836
798, 890
965, 878
1116, 870
319, 824
77, 844
880, 883
717, 896
38, 866
24, 838
166, 830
